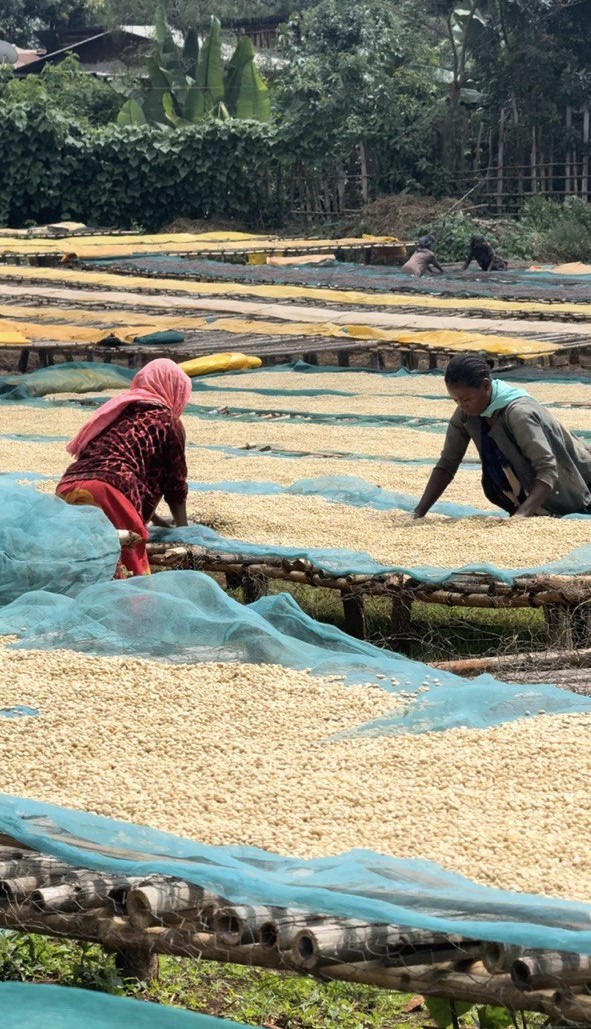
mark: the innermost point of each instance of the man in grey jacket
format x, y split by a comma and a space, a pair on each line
531, 464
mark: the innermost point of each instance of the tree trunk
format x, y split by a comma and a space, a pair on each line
585, 175
500, 160
341, 185
533, 162
478, 148
364, 175
567, 166
490, 163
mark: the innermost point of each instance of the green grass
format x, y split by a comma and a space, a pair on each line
250, 995
438, 633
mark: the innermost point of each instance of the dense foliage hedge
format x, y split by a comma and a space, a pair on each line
55, 168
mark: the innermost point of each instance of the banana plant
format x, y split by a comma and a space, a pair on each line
187, 86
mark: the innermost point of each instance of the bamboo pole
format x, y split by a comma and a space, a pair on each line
278, 933
320, 945
169, 902
499, 957
472, 984
549, 968
539, 660
233, 926
81, 892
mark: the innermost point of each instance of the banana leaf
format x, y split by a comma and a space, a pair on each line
168, 58
131, 114
191, 52
253, 99
152, 106
210, 70
192, 111
159, 77
170, 112
243, 53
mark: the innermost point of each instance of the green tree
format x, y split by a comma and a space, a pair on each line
349, 93
64, 87
22, 22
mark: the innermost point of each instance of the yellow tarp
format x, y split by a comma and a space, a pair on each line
230, 362
574, 268
12, 338
299, 259
126, 326
184, 242
124, 283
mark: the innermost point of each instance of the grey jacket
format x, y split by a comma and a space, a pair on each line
536, 445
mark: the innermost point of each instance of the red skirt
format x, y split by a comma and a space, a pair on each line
119, 511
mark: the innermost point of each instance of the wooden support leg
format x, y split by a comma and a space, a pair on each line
582, 626
400, 615
23, 361
137, 963
254, 587
560, 622
354, 611
233, 581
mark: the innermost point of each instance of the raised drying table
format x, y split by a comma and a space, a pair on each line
565, 600
139, 918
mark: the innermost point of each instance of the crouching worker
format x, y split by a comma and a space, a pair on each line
531, 464
131, 454
423, 260
484, 255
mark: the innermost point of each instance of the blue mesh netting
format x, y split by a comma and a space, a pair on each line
358, 884
187, 617
340, 489
337, 561
46, 544
267, 450
38, 1006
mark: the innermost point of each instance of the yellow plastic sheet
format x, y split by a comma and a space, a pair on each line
70, 276
46, 327
230, 362
184, 242
12, 338
574, 268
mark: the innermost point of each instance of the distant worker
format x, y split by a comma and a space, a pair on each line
483, 253
531, 464
423, 260
131, 454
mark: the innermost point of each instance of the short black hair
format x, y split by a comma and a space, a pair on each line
467, 370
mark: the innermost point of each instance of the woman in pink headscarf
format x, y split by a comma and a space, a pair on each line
131, 454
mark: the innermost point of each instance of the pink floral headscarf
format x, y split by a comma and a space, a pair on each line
160, 382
